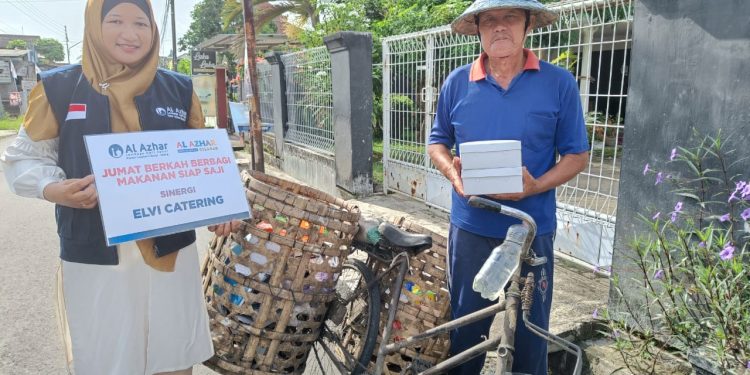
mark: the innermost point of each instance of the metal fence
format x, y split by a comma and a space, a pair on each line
265, 92
592, 40
310, 98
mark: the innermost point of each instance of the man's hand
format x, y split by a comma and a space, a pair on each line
225, 229
75, 193
531, 186
455, 179
448, 165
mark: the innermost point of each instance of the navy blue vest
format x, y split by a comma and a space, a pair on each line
81, 231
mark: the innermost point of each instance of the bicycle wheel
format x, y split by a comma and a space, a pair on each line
349, 333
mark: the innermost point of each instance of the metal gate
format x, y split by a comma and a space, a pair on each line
592, 40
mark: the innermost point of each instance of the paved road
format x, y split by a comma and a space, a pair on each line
29, 336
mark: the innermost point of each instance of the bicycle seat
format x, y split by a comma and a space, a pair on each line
403, 240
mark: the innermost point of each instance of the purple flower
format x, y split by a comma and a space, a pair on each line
745, 191
748, 364
596, 313
656, 215
702, 244
745, 214
674, 154
724, 218
678, 207
616, 333
728, 252
645, 169
733, 196
659, 178
673, 217
659, 274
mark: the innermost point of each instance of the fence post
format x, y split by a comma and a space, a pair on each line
351, 74
278, 87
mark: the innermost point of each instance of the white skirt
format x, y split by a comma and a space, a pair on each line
131, 319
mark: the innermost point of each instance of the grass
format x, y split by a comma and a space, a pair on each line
11, 123
609, 152
377, 161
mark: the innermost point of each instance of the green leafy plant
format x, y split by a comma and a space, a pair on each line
692, 284
16, 44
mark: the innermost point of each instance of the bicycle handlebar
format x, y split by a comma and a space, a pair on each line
491, 205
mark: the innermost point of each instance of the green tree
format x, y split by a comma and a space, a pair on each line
185, 66
51, 49
267, 10
206, 22
17, 44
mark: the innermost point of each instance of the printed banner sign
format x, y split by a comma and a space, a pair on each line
15, 99
162, 182
203, 62
205, 88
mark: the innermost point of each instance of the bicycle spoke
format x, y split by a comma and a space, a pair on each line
349, 333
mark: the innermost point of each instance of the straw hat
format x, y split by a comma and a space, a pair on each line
466, 22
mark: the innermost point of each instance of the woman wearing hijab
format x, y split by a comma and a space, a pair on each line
136, 308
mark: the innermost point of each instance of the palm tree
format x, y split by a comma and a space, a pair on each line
266, 10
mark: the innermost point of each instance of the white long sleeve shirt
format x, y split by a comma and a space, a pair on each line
31, 165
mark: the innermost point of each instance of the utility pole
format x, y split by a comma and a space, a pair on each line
257, 134
174, 39
67, 43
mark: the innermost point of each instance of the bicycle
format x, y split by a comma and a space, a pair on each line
350, 331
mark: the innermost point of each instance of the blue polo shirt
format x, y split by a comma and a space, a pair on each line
541, 108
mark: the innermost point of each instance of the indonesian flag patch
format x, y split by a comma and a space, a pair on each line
76, 112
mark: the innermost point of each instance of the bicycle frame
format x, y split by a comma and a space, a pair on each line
505, 344
508, 305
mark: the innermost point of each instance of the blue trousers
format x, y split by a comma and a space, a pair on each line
467, 252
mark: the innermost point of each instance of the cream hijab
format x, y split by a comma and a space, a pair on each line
123, 83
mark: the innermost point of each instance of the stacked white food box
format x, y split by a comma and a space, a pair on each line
491, 167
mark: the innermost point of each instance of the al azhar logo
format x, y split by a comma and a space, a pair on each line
161, 111
116, 151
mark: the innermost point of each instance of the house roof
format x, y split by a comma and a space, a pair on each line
13, 52
224, 42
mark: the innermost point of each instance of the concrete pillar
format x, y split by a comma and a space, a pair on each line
687, 72
351, 72
278, 83
587, 37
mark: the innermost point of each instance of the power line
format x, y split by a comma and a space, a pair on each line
58, 32
44, 1
163, 27
43, 15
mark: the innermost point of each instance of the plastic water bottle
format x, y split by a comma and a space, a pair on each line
502, 263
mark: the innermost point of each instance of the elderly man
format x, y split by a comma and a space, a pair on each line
507, 94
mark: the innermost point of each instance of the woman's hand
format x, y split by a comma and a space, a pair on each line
75, 193
225, 229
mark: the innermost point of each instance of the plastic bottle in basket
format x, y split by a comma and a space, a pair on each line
501, 264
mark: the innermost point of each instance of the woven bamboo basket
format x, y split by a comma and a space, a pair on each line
424, 303
268, 285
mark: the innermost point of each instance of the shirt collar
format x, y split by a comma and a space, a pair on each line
478, 72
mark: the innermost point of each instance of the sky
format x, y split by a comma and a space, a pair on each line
47, 19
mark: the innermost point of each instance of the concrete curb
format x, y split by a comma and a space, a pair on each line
7, 133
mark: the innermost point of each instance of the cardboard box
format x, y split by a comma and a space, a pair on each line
492, 181
490, 154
